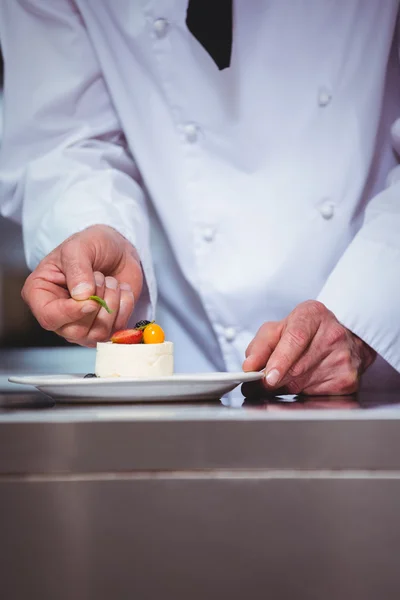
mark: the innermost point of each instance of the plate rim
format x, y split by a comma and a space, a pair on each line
78, 379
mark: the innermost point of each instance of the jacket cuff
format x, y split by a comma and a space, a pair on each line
363, 292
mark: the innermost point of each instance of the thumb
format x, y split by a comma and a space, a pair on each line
262, 346
77, 266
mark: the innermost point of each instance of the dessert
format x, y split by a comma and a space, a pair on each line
138, 352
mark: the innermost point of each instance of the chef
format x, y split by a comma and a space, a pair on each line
252, 199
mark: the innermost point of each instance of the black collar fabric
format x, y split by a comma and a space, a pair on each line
210, 21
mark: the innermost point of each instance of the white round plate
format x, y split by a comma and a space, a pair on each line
194, 386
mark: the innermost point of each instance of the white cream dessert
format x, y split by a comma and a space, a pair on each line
134, 360
138, 352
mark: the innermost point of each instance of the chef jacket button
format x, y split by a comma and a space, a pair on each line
230, 334
160, 27
191, 132
327, 210
324, 96
208, 234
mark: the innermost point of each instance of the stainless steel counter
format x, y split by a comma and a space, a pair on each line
268, 500
39, 438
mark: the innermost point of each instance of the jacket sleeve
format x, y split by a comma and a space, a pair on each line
363, 290
64, 162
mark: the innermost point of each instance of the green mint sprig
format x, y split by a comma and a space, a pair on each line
102, 303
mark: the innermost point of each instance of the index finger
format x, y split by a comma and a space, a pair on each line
296, 338
53, 308
262, 346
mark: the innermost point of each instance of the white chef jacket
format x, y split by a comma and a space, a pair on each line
246, 191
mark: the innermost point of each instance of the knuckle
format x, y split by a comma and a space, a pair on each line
343, 358
71, 251
100, 334
297, 336
335, 334
265, 327
72, 334
347, 382
316, 308
45, 322
297, 370
69, 247
295, 386
75, 333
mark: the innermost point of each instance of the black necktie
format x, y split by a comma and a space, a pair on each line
210, 21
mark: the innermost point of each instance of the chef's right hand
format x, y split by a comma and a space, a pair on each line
97, 261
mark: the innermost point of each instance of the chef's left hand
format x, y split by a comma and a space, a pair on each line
309, 352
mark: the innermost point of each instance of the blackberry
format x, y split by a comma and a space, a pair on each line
143, 324
89, 376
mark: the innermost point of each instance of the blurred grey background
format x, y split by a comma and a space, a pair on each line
18, 328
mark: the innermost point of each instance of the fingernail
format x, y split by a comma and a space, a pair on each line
126, 287
82, 289
111, 283
272, 377
89, 307
99, 278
